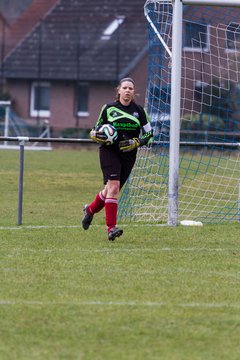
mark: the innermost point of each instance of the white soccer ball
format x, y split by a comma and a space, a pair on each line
110, 131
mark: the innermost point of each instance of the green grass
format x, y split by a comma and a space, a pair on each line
56, 185
65, 293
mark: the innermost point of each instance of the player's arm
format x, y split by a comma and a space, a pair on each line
98, 136
102, 119
144, 139
95, 134
147, 134
147, 131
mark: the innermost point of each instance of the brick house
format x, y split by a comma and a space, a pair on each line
210, 65
213, 34
63, 58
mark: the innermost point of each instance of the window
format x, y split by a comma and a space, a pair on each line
233, 36
40, 99
196, 37
82, 99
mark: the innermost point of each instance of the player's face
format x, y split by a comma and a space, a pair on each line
126, 92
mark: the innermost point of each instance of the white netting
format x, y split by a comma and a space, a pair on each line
210, 118
12, 125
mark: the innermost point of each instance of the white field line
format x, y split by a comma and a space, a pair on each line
33, 227
117, 303
122, 250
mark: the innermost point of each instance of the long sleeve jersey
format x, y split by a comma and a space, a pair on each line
129, 121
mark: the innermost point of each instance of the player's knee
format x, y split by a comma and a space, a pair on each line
113, 188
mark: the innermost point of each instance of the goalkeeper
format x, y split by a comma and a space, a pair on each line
117, 160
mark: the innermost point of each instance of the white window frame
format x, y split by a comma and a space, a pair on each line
82, 113
33, 111
199, 49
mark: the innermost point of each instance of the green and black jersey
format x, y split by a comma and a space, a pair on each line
129, 121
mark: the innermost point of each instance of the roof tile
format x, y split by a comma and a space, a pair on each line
66, 42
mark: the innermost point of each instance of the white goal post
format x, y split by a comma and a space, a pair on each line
214, 70
13, 126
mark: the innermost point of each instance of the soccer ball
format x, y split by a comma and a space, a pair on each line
110, 131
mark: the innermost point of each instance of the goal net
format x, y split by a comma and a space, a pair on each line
11, 125
209, 161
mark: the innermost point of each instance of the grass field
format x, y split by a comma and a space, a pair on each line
155, 293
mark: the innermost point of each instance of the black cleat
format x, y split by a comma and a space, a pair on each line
87, 219
113, 233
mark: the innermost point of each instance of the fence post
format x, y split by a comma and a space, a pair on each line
20, 187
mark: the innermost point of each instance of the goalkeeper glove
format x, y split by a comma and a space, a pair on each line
129, 145
98, 136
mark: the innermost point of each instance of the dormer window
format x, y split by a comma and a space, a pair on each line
112, 27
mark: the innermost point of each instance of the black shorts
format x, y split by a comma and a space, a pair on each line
116, 165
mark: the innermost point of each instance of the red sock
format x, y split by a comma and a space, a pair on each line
97, 204
111, 207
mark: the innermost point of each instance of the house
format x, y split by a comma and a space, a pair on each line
63, 59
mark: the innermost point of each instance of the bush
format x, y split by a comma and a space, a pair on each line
75, 133
202, 122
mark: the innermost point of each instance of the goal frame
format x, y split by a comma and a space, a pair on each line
176, 98
7, 122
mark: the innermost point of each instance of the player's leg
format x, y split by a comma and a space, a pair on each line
113, 188
127, 163
93, 208
111, 208
111, 168
96, 205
